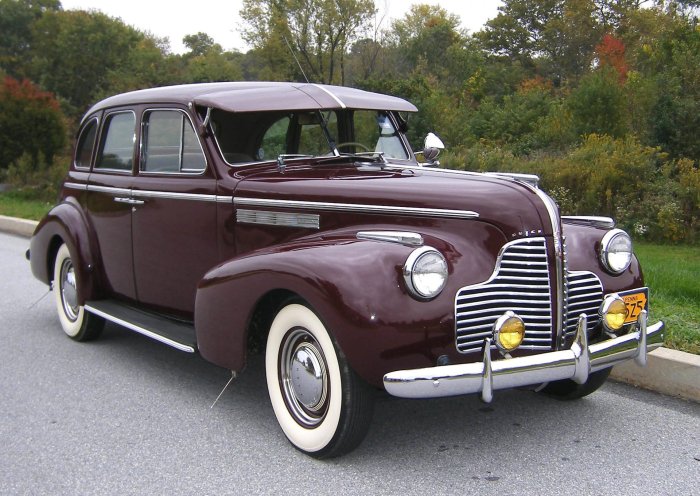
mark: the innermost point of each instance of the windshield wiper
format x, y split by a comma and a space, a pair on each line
368, 157
281, 165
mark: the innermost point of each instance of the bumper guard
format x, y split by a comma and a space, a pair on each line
576, 364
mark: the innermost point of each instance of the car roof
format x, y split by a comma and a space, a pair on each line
260, 96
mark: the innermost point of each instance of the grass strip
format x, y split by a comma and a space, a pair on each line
673, 274
19, 204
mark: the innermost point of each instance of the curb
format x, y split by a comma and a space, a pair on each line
670, 372
20, 227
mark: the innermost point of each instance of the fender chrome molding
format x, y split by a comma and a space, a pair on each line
356, 208
400, 237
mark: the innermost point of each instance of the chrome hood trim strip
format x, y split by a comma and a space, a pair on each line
357, 208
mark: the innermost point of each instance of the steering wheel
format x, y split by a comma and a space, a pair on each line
353, 143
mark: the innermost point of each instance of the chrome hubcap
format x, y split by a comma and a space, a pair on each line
69, 290
304, 377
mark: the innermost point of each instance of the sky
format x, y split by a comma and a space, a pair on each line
220, 19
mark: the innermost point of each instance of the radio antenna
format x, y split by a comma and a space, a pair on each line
295, 58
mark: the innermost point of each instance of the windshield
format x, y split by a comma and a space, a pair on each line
259, 136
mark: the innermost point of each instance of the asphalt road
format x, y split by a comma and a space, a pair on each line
126, 415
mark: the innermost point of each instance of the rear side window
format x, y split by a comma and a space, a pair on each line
86, 142
118, 142
170, 144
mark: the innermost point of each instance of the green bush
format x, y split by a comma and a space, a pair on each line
649, 195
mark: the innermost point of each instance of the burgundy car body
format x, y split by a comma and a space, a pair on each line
218, 248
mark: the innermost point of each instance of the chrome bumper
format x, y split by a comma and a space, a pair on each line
486, 376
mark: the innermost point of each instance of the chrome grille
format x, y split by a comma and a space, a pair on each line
585, 294
520, 283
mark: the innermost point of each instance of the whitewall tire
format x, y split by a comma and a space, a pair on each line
75, 321
323, 408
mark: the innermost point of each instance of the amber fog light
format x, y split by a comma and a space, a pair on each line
613, 313
508, 331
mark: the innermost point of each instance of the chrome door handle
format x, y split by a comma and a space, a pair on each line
128, 201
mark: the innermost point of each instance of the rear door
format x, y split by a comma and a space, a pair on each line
174, 226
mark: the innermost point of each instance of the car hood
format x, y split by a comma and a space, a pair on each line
513, 206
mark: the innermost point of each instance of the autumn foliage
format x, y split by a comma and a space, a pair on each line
611, 53
30, 122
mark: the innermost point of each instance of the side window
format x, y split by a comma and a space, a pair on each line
170, 143
274, 143
118, 142
86, 142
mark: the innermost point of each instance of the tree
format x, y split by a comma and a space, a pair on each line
320, 33
200, 43
599, 105
82, 56
423, 35
556, 37
16, 20
30, 122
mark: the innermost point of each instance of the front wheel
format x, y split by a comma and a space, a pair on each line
323, 408
75, 321
570, 390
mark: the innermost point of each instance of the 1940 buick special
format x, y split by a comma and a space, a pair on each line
212, 216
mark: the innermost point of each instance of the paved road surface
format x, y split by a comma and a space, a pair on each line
126, 415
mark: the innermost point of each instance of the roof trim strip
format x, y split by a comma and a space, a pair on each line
325, 90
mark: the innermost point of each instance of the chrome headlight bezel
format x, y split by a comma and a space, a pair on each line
414, 268
609, 251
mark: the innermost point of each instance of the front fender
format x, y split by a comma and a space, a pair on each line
355, 287
65, 223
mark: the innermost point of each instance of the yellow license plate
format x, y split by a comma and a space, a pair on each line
635, 301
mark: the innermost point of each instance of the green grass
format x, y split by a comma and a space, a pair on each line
19, 204
673, 276
671, 272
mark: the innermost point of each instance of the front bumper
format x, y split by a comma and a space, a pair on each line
486, 376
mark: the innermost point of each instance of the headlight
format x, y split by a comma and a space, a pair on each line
616, 251
425, 273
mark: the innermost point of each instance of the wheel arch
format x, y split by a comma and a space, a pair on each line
66, 223
237, 300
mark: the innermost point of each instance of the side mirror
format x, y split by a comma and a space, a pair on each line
431, 149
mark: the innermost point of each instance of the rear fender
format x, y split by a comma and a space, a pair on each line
65, 223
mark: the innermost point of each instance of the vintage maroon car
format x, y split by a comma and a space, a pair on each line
293, 216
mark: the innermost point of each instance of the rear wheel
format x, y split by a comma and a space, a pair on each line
323, 408
569, 390
75, 321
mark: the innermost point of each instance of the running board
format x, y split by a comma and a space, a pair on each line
167, 331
